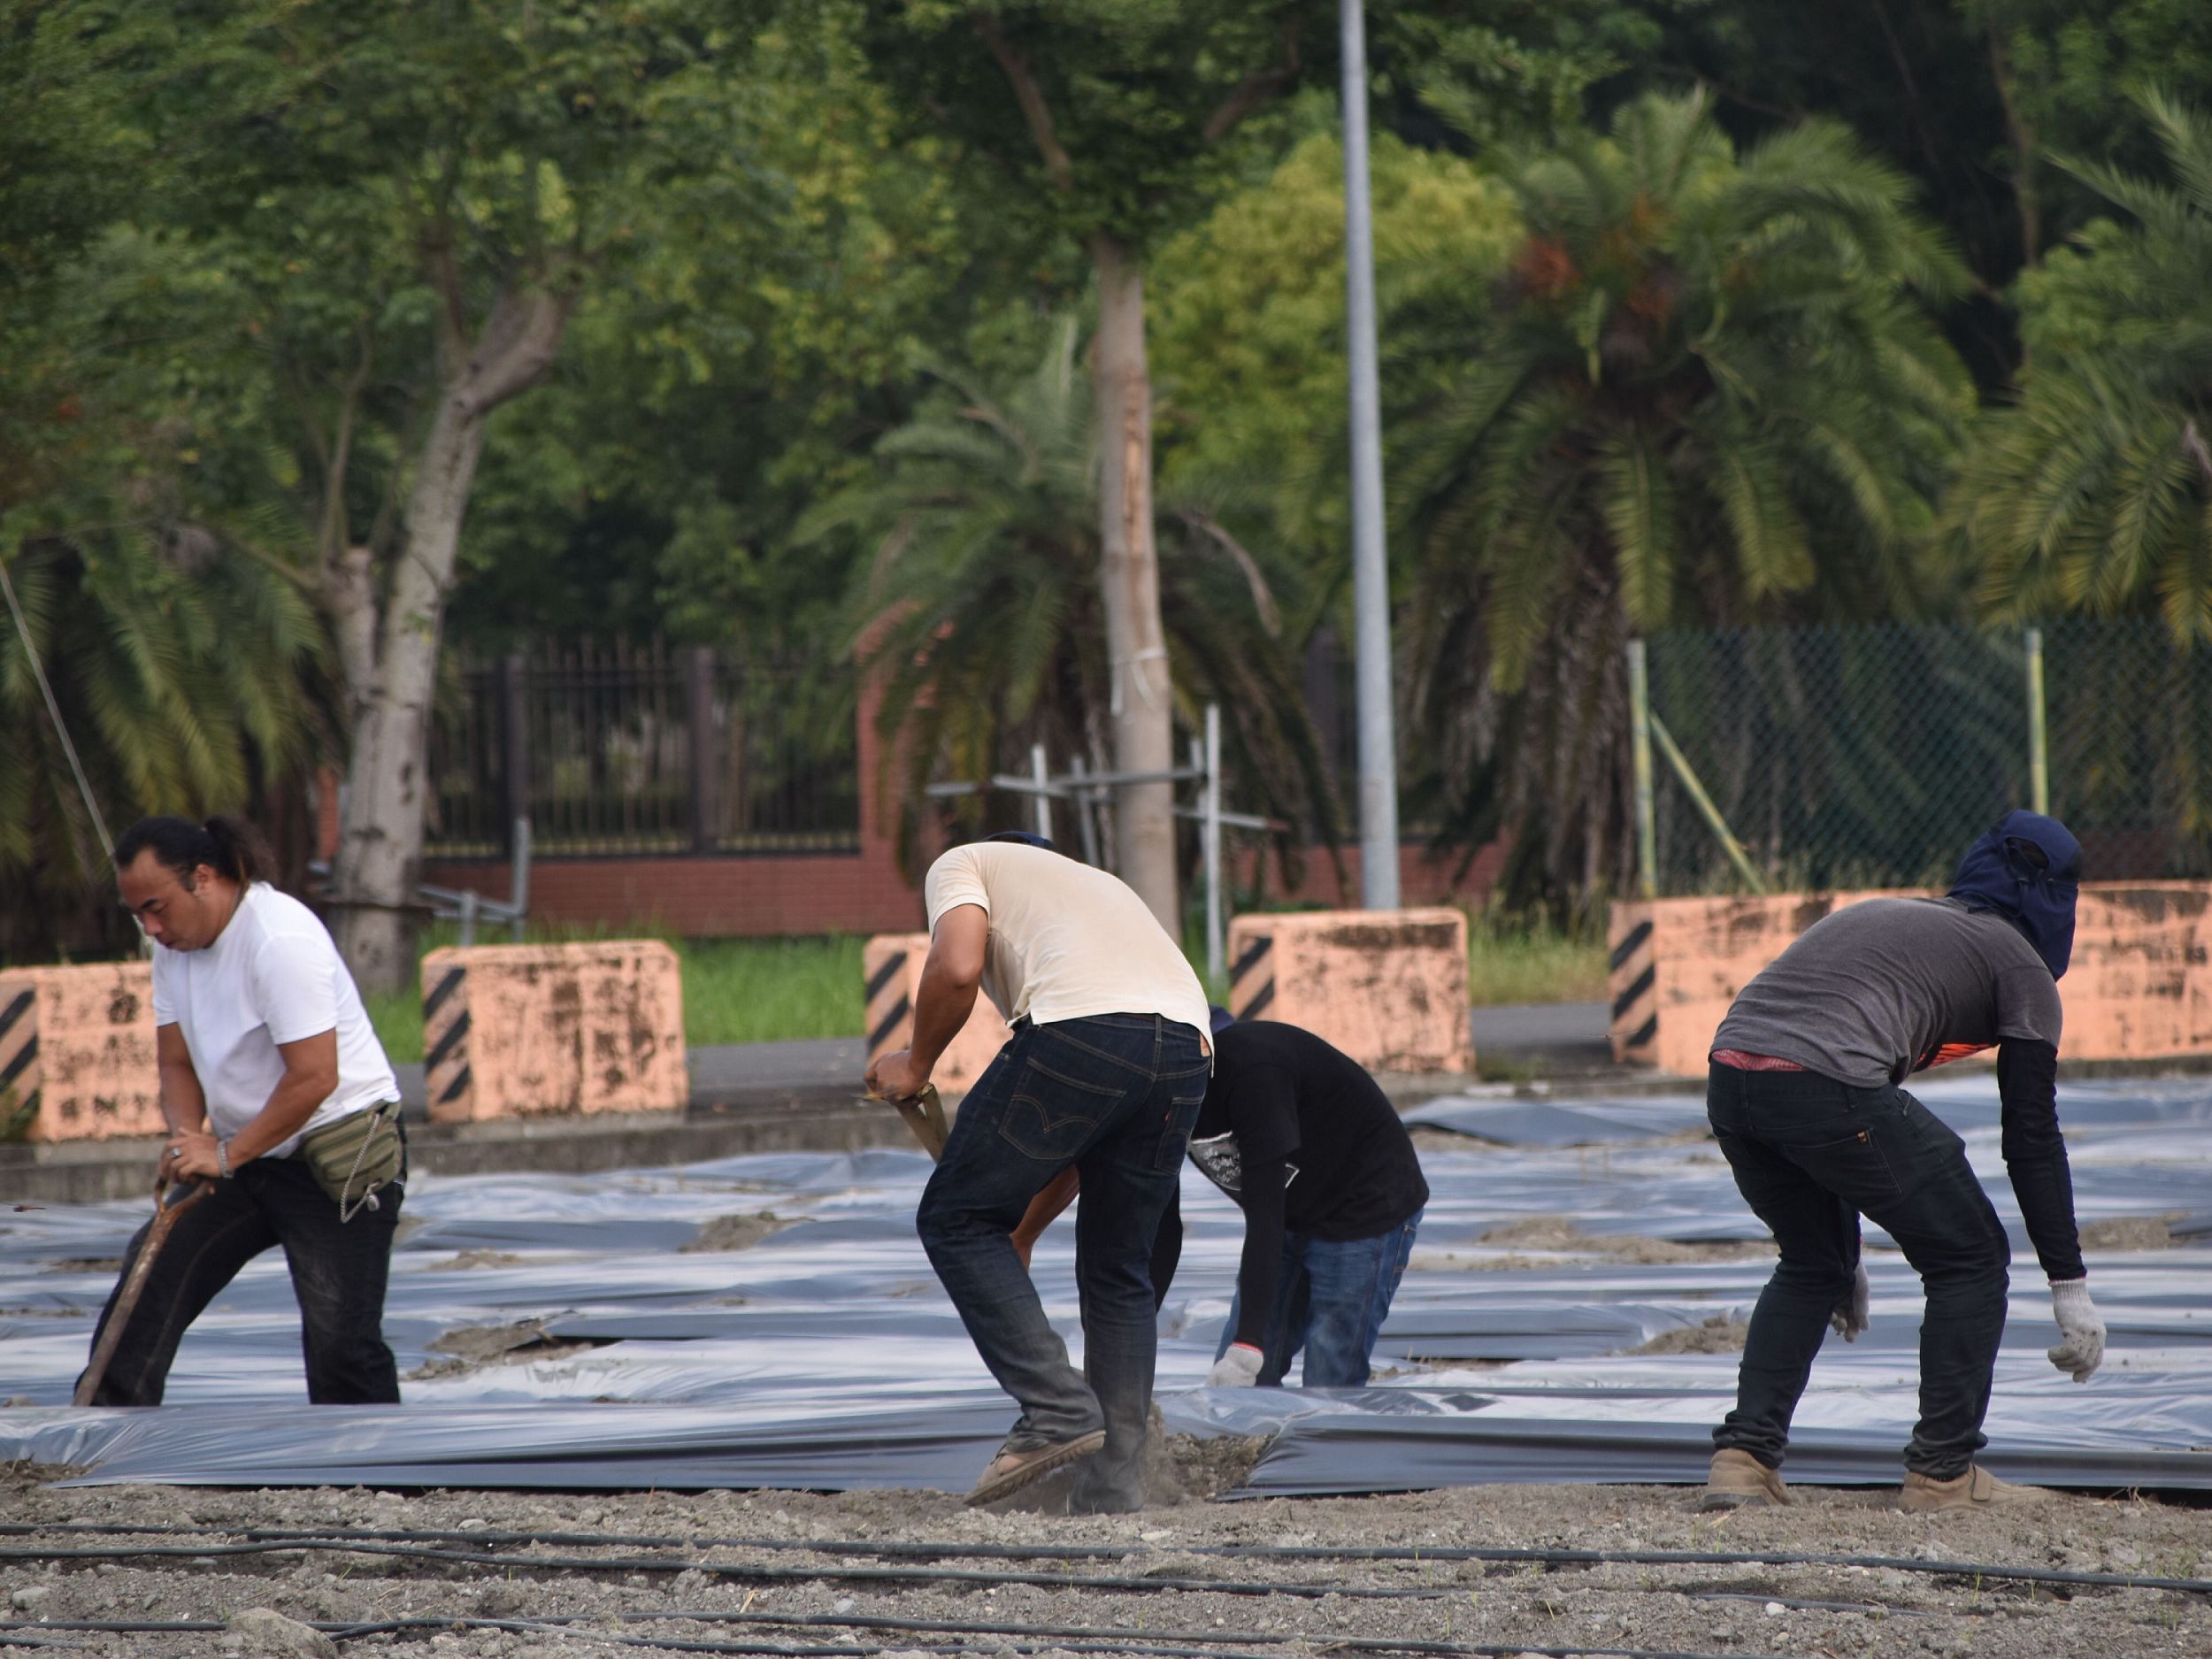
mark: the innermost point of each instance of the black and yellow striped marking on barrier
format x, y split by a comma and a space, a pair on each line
445, 1038
890, 1010
1633, 977
19, 1055
1252, 977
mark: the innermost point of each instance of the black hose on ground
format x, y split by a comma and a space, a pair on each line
1116, 1552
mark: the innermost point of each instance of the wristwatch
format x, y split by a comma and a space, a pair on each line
222, 1158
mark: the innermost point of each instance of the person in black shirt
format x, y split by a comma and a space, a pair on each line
1312, 1151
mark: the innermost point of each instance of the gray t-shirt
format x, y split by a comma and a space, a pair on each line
1873, 992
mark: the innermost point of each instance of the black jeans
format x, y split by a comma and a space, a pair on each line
1115, 1096
339, 1271
1811, 1155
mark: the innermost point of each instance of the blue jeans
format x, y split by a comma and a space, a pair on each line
1331, 1299
1115, 1096
1810, 1156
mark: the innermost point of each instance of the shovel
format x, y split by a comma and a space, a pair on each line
925, 1115
170, 1202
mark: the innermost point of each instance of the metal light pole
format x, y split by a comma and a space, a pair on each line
1371, 579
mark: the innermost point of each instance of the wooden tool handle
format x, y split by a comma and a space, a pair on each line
169, 1203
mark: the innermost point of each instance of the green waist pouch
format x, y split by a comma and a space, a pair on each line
352, 1158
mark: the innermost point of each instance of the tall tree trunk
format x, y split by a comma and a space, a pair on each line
381, 825
1141, 715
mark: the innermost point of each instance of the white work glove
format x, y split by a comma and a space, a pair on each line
2080, 1328
1848, 1317
1238, 1368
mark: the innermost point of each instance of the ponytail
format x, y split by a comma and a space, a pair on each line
244, 854
229, 846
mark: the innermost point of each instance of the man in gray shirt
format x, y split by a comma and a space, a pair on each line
1803, 1097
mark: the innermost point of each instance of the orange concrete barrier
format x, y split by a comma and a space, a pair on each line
2137, 988
1388, 988
77, 1051
891, 965
516, 1030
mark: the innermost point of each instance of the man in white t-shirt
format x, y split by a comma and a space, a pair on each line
1106, 1070
277, 1092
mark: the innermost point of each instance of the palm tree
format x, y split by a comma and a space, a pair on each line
185, 675
2093, 491
1709, 390
980, 611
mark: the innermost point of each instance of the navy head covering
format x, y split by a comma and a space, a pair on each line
2028, 870
1023, 838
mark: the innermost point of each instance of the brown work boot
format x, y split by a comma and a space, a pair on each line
1011, 1471
1737, 1480
1976, 1489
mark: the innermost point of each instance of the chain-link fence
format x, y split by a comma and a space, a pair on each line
1871, 756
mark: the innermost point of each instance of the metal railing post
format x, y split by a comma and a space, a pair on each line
514, 735
1043, 804
2039, 735
1217, 952
1640, 739
518, 879
702, 752
1084, 821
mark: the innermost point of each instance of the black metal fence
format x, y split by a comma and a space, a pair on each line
643, 750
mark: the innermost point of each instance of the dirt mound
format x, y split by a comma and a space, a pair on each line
735, 1232
466, 1259
2131, 1233
1560, 1234
1720, 1334
472, 1348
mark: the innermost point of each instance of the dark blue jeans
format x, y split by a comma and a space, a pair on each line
1331, 1300
1811, 1155
1115, 1096
339, 1272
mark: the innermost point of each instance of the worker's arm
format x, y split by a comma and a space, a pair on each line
1260, 1271
310, 1077
2043, 1181
1044, 1210
950, 977
2035, 1155
183, 1102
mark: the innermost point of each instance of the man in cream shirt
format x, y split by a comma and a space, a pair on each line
1106, 1071
266, 1058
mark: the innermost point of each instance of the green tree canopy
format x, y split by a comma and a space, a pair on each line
2094, 491
1710, 389
980, 609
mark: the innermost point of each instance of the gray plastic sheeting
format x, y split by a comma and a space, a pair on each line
826, 1355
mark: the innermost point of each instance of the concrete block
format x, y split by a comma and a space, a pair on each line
516, 1030
1388, 988
2137, 988
891, 964
77, 1051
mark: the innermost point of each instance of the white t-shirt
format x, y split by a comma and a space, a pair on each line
1066, 940
272, 976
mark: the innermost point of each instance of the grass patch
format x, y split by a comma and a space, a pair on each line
776, 990
1513, 960
735, 990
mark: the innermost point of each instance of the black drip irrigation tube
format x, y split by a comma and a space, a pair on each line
1027, 1638
336, 1538
302, 1544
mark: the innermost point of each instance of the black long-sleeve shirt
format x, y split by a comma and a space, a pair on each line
1303, 1139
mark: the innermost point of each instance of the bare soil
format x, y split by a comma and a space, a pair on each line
811, 1572
735, 1232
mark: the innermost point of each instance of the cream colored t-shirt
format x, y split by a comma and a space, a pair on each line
1066, 940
